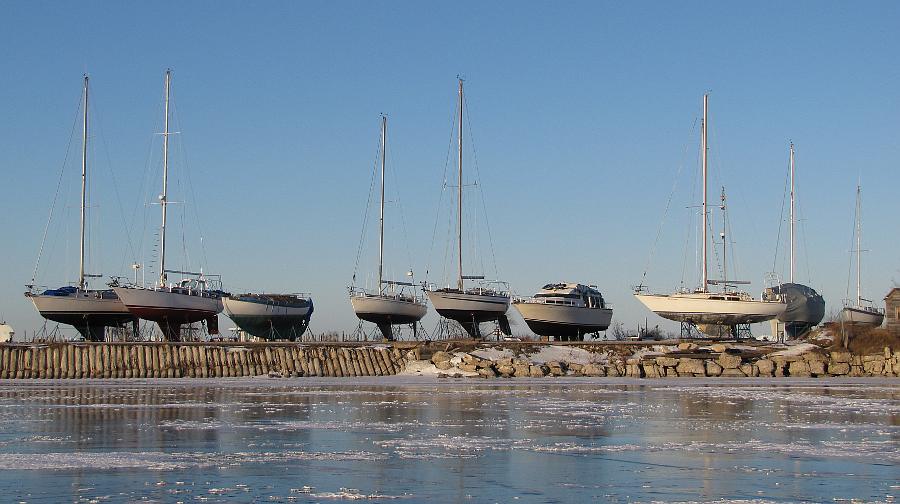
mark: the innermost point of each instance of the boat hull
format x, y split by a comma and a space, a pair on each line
856, 315
696, 309
268, 320
170, 310
90, 312
385, 311
469, 308
565, 321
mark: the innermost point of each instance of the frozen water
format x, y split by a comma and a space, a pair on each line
449, 440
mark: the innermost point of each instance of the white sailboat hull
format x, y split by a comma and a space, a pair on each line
490, 305
861, 315
387, 309
171, 309
556, 320
703, 308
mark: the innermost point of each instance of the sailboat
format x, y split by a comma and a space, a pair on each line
474, 305
389, 304
728, 307
861, 310
90, 311
172, 305
805, 306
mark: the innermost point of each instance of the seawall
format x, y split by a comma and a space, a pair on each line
198, 360
446, 359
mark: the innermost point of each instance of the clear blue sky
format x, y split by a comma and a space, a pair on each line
582, 114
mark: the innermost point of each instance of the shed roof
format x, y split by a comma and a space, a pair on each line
895, 292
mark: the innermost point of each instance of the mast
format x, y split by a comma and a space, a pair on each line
381, 217
858, 250
792, 212
705, 149
84, 140
459, 281
724, 249
163, 195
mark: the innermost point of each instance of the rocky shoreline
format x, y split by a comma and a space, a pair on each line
683, 360
459, 359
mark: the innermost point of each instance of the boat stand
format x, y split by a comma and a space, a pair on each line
689, 330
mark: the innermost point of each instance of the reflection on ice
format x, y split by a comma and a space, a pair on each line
312, 440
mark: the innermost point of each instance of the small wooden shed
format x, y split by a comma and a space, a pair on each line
892, 310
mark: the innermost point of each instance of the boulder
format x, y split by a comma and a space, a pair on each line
468, 367
718, 347
487, 372
593, 370
506, 370
729, 361
538, 371
613, 370
575, 368
713, 368
838, 368
687, 346
667, 361
733, 373
651, 370
440, 356
443, 365
765, 367
840, 357
747, 369
688, 366
505, 361
817, 367
799, 368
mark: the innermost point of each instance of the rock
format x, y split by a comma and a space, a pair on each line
443, 365
593, 370
718, 348
813, 356
521, 370
440, 356
855, 370
874, 367
686, 365
838, 368
817, 367
687, 346
728, 361
633, 371
747, 369
538, 371
506, 370
612, 370
505, 361
799, 368
713, 368
733, 373
443, 375
765, 366
840, 357
487, 372
670, 372
575, 368
667, 361
887, 352
468, 367
651, 370
484, 364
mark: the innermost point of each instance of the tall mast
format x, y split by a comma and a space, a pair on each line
724, 249
163, 196
792, 212
459, 281
84, 140
705, 149
381, 217
858, 250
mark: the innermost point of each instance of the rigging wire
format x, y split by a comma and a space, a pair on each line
441, 197
362, 235
781, 218
186, 168
481, 191
666, 211
56, 194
